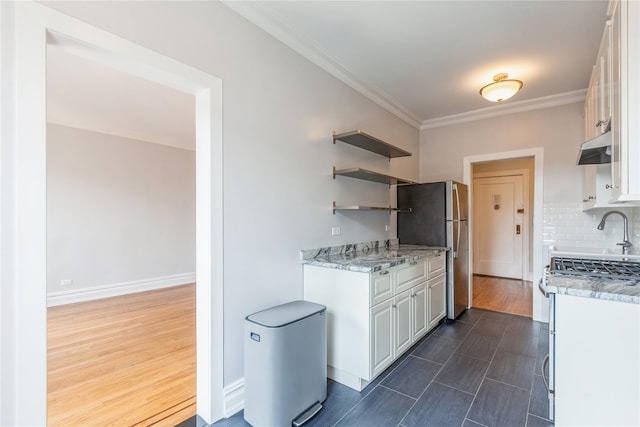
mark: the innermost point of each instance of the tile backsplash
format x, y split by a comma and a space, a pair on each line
565, 224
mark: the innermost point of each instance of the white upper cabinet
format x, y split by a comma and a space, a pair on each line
625, 107
612, 103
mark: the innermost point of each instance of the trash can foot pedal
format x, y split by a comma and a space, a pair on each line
307, 415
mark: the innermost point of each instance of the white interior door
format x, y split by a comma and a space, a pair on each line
498, 206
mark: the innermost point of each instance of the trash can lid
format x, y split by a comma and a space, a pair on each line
282, 315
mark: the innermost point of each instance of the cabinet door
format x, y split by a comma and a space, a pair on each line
604, 73
437, 300
590, 107
420, 311
625, 149
437, 264
409, 275
402, 322
381, 337
381, 288
616, 100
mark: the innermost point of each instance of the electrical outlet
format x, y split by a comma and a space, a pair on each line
335, 231
387, 228
66, 282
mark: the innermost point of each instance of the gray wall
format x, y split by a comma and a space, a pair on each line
118, 210
279, 113
559, 130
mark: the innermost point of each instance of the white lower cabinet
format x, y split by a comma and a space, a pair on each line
402, 316
381, 333
437, 299
597, 374
420, 311
372, 318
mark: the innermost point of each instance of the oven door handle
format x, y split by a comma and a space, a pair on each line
541, 284
542, 288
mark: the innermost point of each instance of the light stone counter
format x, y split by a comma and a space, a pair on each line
368, 257
593, 287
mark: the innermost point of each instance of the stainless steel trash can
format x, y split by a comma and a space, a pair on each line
285, 364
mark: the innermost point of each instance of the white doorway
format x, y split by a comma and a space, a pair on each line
540, 308
35, 26
500, 224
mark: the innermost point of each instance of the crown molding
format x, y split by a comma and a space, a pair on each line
316, 55
309, 50
504, 109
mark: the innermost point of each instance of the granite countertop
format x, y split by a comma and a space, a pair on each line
594, 287
372, 259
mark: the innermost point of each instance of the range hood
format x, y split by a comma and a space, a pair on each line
596, 151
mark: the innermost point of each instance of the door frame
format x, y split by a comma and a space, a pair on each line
24, 373
525, 195
540, 307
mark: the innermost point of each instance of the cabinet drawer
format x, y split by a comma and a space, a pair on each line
437, 264
380, 288
409, 275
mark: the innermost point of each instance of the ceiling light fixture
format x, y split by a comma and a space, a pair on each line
501, 89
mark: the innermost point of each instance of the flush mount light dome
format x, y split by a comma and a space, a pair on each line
501, 89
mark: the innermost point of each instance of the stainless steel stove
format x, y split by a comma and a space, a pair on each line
606, 269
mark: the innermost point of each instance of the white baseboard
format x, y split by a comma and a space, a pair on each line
233, 398
117, 289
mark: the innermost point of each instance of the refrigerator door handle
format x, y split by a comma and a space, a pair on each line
456, 219
455, 227
455, 250
454, 187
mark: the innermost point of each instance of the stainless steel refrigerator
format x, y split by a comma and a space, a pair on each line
438, 217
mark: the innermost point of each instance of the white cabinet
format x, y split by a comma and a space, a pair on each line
597, 374
437, 289
409, 275
420, 312
613, 101
403, 319
598, 185
381, 333
597, 106
437, 300
625, 150
381, 288
372, 318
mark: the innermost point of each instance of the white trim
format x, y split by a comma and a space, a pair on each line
312, 52
118, 289
510, 108
308, 49
540, 308
35, 24
524, 173
233, 398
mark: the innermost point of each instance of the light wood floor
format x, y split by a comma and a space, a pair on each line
123, 361
505, 295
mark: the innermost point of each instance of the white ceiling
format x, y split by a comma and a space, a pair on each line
428, 59
424, 61
88, 95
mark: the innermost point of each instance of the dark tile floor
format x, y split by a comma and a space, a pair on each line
481, 370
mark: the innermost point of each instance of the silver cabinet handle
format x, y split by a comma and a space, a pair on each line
382, 273
393, 306
413, 263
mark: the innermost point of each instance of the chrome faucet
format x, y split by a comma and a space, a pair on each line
626, 244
